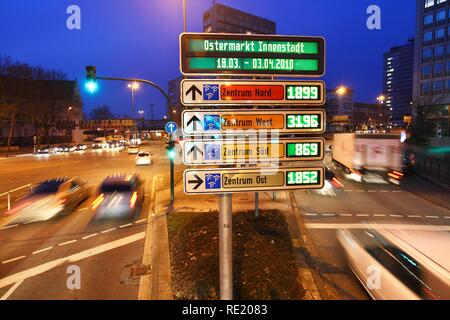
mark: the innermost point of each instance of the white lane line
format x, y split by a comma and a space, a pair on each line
108, 230
348, 190
8, 227
360, 190
371, 191
89, 236
42, 250
446, 217
363, 215
414, 216
140, 221
11, 290
67, 242
396, 216
311, 214
20, 276
384, 191
364, 226
125, 225
13, 259
432, 217
346, 215
379, 215
328, 214
397, 191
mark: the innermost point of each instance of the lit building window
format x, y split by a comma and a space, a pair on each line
429, 3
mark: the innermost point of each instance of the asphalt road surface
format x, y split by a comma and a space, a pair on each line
38, 259
357, 204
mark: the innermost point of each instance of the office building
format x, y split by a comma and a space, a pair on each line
431, 91
398, 72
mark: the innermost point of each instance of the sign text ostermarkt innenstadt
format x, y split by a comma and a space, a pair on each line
238, 93
238, 54
220, 152
228, 122
213, 181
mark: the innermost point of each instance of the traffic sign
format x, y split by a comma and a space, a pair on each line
238, 93
227, 122
214, 181
251, 54
171, 127
220, 152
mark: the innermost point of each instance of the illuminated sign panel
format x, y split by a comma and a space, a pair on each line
232, 151
247, 92
214, 181
224, 122
234, 54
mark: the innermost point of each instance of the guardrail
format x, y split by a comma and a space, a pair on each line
10, 192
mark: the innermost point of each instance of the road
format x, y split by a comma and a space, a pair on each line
359, 203
34, 257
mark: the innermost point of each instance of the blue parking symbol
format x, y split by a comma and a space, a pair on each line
212, 152
213, 181
211, 92
211, 122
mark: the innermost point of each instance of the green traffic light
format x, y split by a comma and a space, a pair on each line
91, 86
171, 154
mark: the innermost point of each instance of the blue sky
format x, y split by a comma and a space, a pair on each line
139, 38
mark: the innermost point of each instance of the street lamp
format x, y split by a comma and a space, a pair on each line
141, 114
380, 100
341, 91
133, 86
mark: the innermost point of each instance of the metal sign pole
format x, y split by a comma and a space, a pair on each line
226, 246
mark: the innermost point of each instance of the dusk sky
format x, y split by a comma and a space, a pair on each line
139, 38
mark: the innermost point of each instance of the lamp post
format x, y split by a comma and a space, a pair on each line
380, 100
133, 86
340, 92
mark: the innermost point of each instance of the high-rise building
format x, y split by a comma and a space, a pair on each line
431, 91
398, 71
220, 18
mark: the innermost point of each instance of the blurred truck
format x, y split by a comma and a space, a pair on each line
363, 154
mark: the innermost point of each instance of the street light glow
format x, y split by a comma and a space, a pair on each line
133, 85
341, 90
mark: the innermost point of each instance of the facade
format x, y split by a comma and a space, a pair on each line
369, 116
398, 74
431, 91
47, 111
174, 98
220, 18
339, 109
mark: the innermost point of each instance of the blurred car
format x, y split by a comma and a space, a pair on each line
99, 143
410, 264
143, 158
66, 148
331, 183
120, 197
81, 147
48, 149
133, 150
50, 198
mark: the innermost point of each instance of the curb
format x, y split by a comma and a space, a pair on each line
308, 276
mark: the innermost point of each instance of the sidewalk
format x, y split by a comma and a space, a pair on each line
426, 189
14, 153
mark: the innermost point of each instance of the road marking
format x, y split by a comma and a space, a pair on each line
397, 191
11, 290
384, 191
415, 216
432, 217
8, 227
370, 191
125, 225
311, 214
20, 276
140, 221
328, 214
364, 226
108, 230
379, 215
89, 236
42, 250
13, 259
67, 242
346, 215
360, 190
363, 215
396, 216
446, 217
348, 190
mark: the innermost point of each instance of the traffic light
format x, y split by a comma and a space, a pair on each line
91, 79
171, 151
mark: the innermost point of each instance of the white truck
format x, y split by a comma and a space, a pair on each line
364, 153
